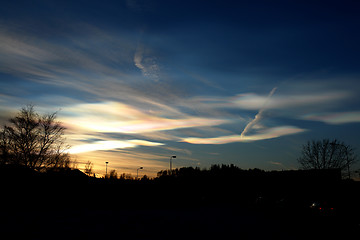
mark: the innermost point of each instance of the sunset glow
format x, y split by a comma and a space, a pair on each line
110, 145
135, 82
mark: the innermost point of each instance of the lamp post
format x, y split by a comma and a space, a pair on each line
137, 172
106, 168
171, 163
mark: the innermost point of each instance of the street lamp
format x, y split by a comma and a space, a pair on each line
137, 172
171, 163
106, 168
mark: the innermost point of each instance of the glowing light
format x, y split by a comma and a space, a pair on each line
121, 118
110, 145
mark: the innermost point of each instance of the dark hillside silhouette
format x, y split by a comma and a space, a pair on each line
205, 203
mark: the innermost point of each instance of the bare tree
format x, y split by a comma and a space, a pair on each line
34, 140
327, 154
88, 168
113, 174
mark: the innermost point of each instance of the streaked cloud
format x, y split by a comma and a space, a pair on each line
99, 77
282, 166
259, 115
116, 117
282, 100
334, 118
72, 60
110, 145
269, 133
276, 163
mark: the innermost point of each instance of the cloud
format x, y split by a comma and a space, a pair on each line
110, 145
334, 118
276, 163
70, 60
251, 101
262, 132
179, 150
148, 65
113, 117
138, 57
97, 64
259, 115
269, 133
279, 165
286, 103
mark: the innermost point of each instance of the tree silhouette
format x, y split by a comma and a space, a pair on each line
88, 168
33, 140
113, 174
326, 154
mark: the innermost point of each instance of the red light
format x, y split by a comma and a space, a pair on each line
319, 208
332, 208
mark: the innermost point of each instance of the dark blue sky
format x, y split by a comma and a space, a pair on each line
243, 82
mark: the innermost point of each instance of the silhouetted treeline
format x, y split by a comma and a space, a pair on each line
230, 173
184, 187
230, 184
221, 191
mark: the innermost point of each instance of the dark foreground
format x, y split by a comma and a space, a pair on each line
176, 223
58, 207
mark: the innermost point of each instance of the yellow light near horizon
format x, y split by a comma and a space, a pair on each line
110, 145
138, 126
100, 145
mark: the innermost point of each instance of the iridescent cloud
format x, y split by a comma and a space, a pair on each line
110, 145
116, 117
261, 135
148, 65
282, 100
259, 115
334, 118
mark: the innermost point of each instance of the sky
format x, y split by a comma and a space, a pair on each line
212, 82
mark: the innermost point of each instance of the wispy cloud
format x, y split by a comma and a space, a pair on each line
110, 145
261, 132
334, 118
95, 121
72, 60
94, 62
283, 100
116, 117
278, 164
147, 64
269, 133
258, 116
118, 109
